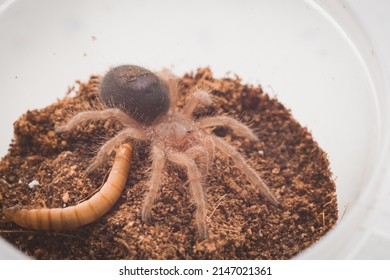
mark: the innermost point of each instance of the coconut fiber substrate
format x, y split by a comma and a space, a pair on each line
46, 169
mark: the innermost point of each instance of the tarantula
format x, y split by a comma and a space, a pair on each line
146, 104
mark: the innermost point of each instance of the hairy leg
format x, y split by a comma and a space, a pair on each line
208, 144
238, 128
250, 173
158, 164
202, 155
205, 153
200, 96
88, 116
110, 145
195, 181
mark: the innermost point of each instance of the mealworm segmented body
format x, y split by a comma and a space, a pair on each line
83, 213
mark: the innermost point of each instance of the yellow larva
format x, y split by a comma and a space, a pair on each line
83, 213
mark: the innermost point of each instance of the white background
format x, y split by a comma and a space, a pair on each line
37, 67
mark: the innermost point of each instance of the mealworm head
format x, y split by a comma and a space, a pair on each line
10, 211
136, 91
16, 214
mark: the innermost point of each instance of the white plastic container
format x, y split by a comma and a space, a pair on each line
313, 55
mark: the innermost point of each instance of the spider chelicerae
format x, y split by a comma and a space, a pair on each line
146, 104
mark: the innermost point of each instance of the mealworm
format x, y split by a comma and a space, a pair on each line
81, 214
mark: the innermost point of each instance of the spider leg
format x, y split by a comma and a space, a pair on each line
111, 144
88, 116
195, 181
203, 156
158, 164
239, 128
250, 173
200, 96
205, 153
209, 145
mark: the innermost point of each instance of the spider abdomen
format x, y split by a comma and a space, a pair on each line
136, 91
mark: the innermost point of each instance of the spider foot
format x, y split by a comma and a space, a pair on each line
203, 232
92, 168
59, 129
146, 216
